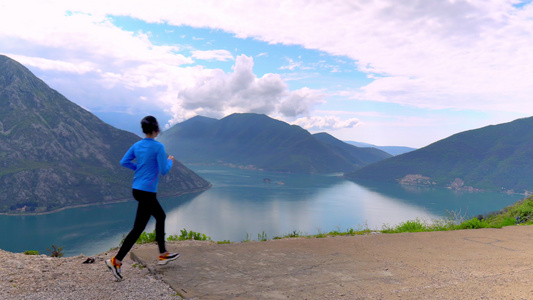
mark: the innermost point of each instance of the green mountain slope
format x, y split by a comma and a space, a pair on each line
497, 157
55, 154
355, 155
263, 142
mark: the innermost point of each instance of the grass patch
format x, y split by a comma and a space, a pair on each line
189, 235
149, 237
262, 237
320, 235
349, 231
294, 234
247, 238
518, 213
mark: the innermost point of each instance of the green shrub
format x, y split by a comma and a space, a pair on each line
407, 226
508, 222
473, 223
31, 252
55, 251
293, 234
189, 235
351, 232
262, 237
247, 238
150, 237
520, 212
321, 235
146, 238
441, 225
335, 233
524, 211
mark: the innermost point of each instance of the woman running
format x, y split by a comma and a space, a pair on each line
150, 160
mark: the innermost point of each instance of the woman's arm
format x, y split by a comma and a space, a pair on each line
127, 160
165, 164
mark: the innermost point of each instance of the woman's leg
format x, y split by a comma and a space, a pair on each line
141, 219
160, 216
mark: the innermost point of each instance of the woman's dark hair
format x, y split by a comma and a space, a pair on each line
149, 124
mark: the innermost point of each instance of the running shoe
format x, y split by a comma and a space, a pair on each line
165, 258
114, 267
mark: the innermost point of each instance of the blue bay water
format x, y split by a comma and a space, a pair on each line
241, 205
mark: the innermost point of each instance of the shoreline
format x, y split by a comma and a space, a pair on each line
101, 203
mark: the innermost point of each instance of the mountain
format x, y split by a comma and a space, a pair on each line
55, 154
258, 141
496, 157
392, 150
355, 155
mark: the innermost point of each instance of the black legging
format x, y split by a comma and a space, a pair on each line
148, 206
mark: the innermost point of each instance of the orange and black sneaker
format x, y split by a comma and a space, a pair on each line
165, 258
114, 267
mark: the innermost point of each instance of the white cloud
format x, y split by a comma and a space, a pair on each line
300, 102
325, 122
55, 65
220, 55
217, 94
292, 65
462, 54
133, 72
118, 66
459, 54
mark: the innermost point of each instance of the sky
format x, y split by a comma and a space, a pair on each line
384, 72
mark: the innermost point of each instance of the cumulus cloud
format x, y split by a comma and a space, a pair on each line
325, 122
300, 102
217, 94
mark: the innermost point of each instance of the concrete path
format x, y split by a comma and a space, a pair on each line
466, 264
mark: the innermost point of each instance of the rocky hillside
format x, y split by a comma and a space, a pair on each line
55, 154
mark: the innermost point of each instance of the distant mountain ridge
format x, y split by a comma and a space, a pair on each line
496, 157
393, 150
55, 154
259, 141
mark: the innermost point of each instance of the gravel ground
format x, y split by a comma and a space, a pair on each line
42, 277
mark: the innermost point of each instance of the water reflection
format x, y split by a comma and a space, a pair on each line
305, 203
84, 230
241, 205
440, 201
